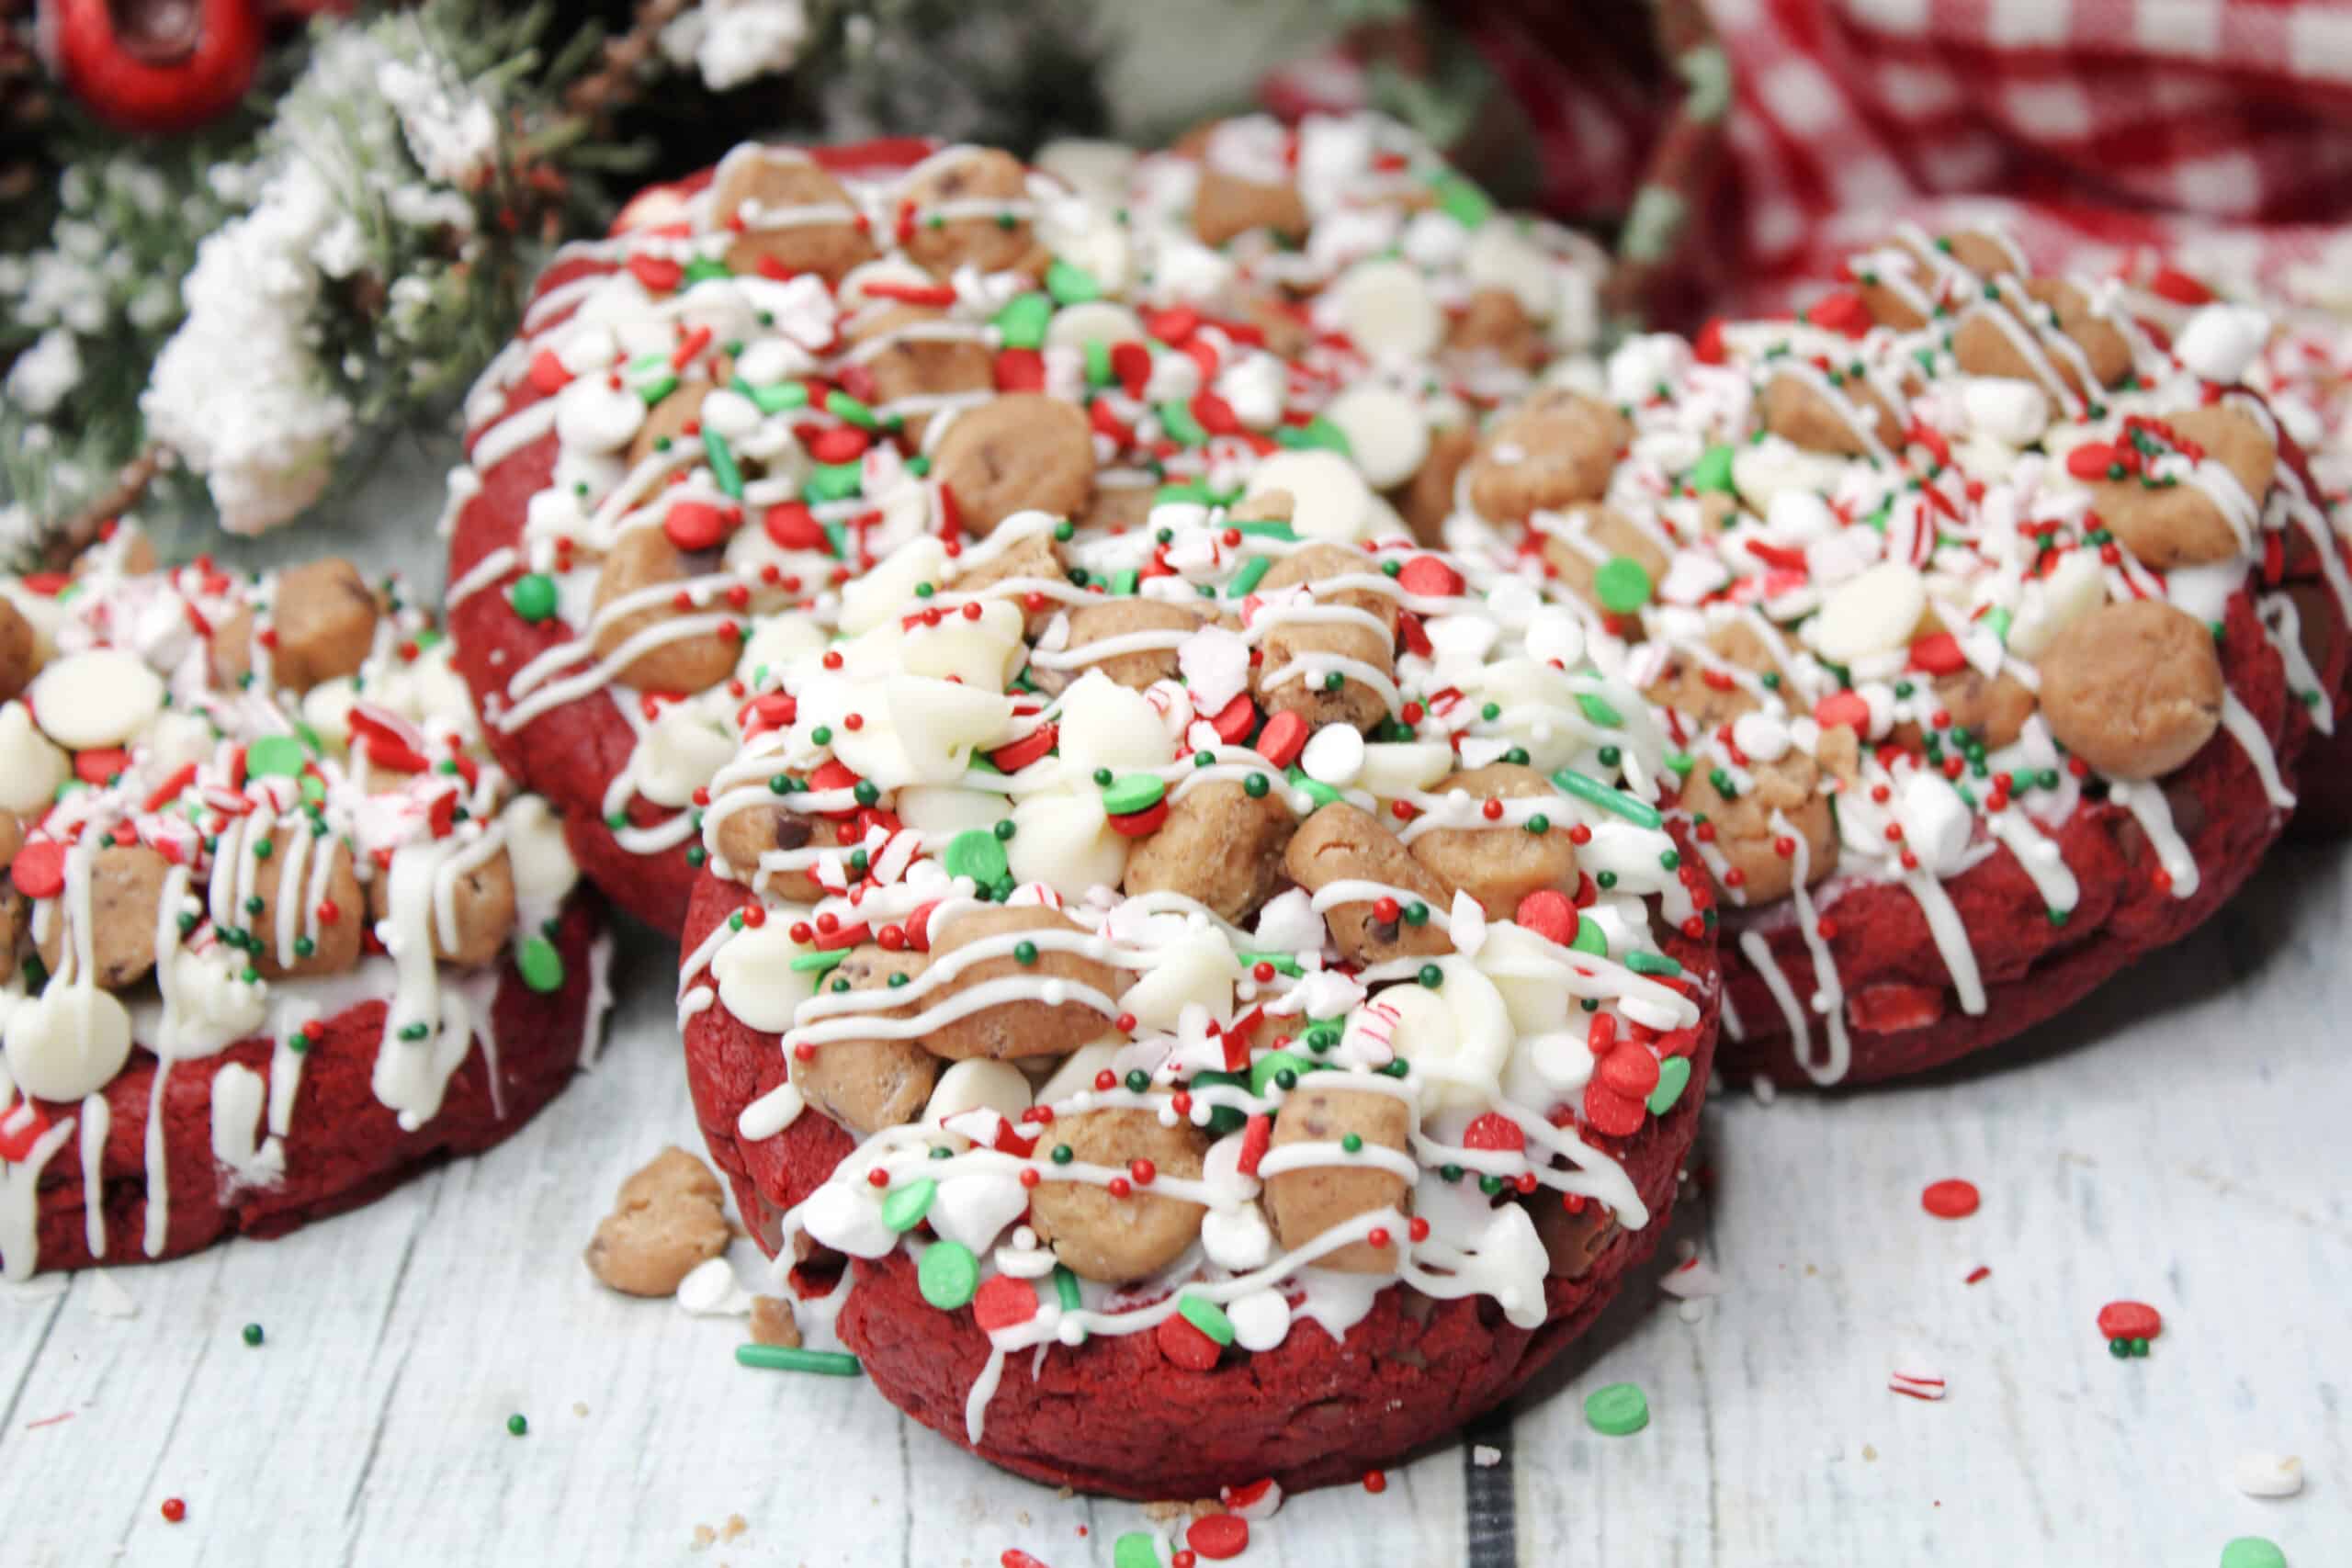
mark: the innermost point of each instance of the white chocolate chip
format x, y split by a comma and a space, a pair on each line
102, 698
67, 1042
1329, 497
1334, 756
1386, 432
2267, 1475
594, 415
2221, 341
1872, 612
1388, 311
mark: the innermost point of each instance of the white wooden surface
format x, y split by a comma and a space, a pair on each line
2181, 1140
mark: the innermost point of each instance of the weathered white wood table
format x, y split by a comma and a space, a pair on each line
2180, 1141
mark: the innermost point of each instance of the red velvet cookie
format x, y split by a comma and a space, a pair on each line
1966, 602
772, 379
1294, 939
283, 934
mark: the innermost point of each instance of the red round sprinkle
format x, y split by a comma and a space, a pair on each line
1430, 578
175, 1510
1611, 1114
1377, 1239
39, 869
1630, 1069
1373, 1481
1219, 1536
1494, 1131
1950, 1200
1030, 1176
2130, 1320
1417, 1228
1143, 1171
1549, 915
694, 525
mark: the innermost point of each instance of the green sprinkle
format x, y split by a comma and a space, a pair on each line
817, 961
660, 386
1063, 1154
1624, 584
1098, 362
1131, 792
948, 1274
722, 463
1255, 786
791, 1358
1021, 323
849, 410
1284, 963
415, 1031
1136, 1548
1352, 1142
1262, 1071
1673, 1078
1206, 1317
516, 1425
540, 963
2253, 1551
831, 482
1071, 284
975, 852
1592, 791
533, 596
1417, 913
1601, 713
1245, 581
1711, 471
253, 1334
1066, 1289
1182, 427
1590, 938
1652, 963
1024, 952
1320, 432
1315, 790
903, 1209
1618, 1411
1432, 977
1271, 528
274, 756
778, 398
1461, 199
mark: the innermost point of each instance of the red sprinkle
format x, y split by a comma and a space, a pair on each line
39, 869
1950, 1200
1283, 739
1979, 1272
1549, 915
1184, 1345
1494, 1131
175, 1510
1611, 1114
1003, 1301
694, 525
2130, 1320
1373, 1481
1015, 1558
1428, 576
1219, 1536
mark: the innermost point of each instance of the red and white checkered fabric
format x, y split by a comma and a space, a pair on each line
2220, 130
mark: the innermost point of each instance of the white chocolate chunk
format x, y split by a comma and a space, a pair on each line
1872, 612
101, 698
1329, 498
1386, 429
67, 1042
1389, 310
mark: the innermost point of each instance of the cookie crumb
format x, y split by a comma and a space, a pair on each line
670, 1216
736, 1525
1485, 1456
704, 1537
772, 1323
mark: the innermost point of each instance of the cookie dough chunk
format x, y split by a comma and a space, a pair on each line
1225, 206
1605, 535
335, 947
1757, 872
1302, 653
1111, 1239
1686, 688
987, 178
1307, 1202
670, 1216
1558, 448
480, 897
1573, 1241
1031, 1026
868, 1085
2181, 525
793, 213
322, 615
1346, 843
1117, 619
1426, 500
1796, 410
1031, 560
644, 559
916, 355
1020, 451
1499, 865
745, 834
667, 422
1994, 710
126, 886
1494, 326
2073, 337
19, 655
1218, 846
2134, 689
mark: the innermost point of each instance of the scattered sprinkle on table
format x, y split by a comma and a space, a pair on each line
1977, 1273
1218, 1536
175, 1510
1618, 1411
1136, 1548
1015, 1558
2267, 1475
1375, 1481
1918, 1385
2130, 1320
1952, 1199
2253, 1551
785, 1359
517, 1424
253, 1334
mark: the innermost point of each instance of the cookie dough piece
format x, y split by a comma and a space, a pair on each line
1030, 1026
1226, 206
794, 212
1499, 865
1573, 1241
1984, 254
1685, 687
322, 615
1986, 346
20, 653
1557, 448
335, 947
1795, 411
1494, 326
1316, 642
1308, 1202
1218, 846
126, 886
667, 422
482, 897
1346, 843
669, 1217
1994, 710
644, 559
2135, 688
1032, 558
1016, 453
2180, 525
1743, 822
1114, 618
1426, 500
1111, 1239
867, 1084
747, 833
983, 176
1610, 532
922, 355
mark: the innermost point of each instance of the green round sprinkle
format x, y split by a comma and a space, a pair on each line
903, 1209
789, 1358
2119, 1349
1449, 1172
948, 1274
2139, 1345
822, 735
2253, 1551
1606, 879
1539, 824
866, 792
517, 1424
1206, 1317
1063, 1154
1673, 1078
1618, 1411
1137, 1081
541, 965
1255, 786
1024, 952
1416, 914
1334, 681
297, 1042
1102, 778
1352, 1142
1491, 712
253, 1334
1269, 1068
304, 947
976, 852
1132, 792
1003, 831
533, 596
274, 756
1492, 1186
1431, 976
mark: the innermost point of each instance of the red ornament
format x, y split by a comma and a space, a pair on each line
165, 65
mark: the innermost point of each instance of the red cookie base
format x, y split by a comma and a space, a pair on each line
345, 1147
1902, 1013
1114, 1416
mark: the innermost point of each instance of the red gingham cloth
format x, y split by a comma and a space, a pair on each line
2218, 132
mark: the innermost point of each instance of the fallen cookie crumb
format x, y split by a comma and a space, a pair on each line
670, 1216
772, 1323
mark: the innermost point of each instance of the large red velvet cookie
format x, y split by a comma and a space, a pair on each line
1976, 613
1130, 982
285, 934
774, 378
